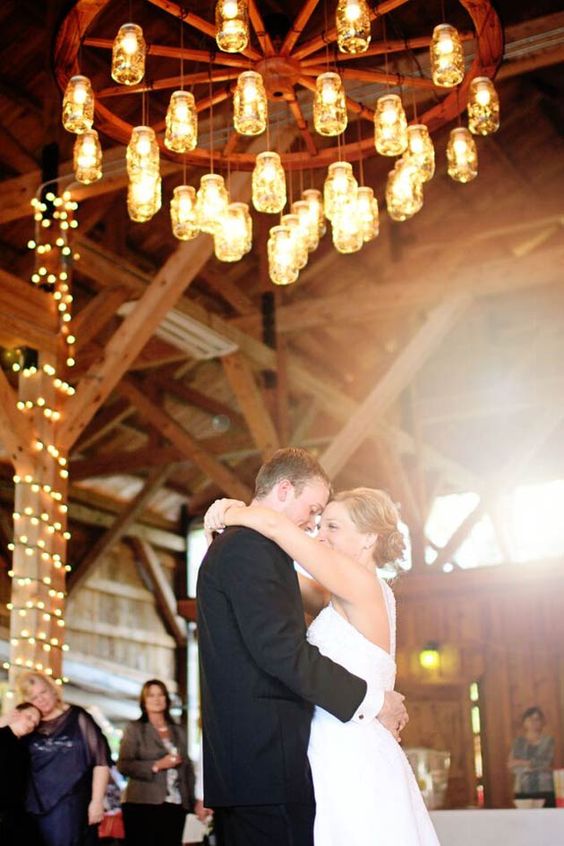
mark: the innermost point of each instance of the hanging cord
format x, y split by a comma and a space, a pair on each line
361, 157
211, 118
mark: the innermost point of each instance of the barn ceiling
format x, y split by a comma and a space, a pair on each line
427, 363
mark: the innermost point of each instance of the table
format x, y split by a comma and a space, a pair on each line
510, 827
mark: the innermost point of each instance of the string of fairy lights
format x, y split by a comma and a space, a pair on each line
39, 544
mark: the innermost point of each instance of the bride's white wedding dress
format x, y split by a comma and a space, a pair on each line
365, 790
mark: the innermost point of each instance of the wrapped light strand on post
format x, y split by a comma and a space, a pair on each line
353, 26
128, 55
462, 155
390, 126
268, 183
78, 105
420, 150
232, 25
183, 214
281, 267
250, 108
340, 187
181, 134
447, 57
329, 105
483, 106
87, 157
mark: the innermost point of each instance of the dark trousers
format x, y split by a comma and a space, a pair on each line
549, 798
265, 825
153, 825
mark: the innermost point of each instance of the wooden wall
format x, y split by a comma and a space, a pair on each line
502, 627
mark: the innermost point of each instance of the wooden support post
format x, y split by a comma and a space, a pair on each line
251, 402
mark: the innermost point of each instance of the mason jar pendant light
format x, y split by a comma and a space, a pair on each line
483, 107
232, 25
367, 213
462, 155
314, 199
231, 237
420, 150
142, 152
87, 157
250, 110
181, 134
212, 202
308, 224
269, 183
128, 55
329, 104
340, 187
404, 191
281, 267
241, 211
346, 232
447, 57
390, 126
353, 26
143, 197
78, 105
183, 213
299, 245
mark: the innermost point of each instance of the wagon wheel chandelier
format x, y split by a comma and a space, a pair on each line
331, 55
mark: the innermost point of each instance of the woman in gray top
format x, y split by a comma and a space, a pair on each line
160, 790
531, 759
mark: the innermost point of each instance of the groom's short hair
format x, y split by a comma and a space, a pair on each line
292, 463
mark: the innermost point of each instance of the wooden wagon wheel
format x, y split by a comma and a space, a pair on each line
286, 66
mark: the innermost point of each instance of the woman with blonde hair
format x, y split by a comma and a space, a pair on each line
365, 790
69, 766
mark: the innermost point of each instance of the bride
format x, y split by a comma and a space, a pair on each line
365, 790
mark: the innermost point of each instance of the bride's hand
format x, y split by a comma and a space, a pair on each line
214, 518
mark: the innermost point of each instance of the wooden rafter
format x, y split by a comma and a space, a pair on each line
124, 461
544, 425
29, 317
298, 26
178, 436
119, 527
392, 383
97, 313
261, 33
242, 381
162, 591
16, 432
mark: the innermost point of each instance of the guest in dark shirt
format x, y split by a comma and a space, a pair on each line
532, 758
70, 762
16, 827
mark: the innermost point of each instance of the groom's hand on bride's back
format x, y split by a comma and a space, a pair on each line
393, 714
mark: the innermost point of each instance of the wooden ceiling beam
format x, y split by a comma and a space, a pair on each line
119, 528
199, 400
394, 380
123, 462
544, 424
96, 314
189, 446
107, 419
16, 433
28, 315
242, 382
161, 589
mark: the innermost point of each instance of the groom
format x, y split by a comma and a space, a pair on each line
259, 676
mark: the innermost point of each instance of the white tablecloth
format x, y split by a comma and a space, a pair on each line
511, 827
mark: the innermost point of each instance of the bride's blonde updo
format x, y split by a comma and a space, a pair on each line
372, 511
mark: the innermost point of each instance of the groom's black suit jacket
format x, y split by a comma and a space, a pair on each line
259, 676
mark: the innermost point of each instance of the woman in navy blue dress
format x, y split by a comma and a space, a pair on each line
69, 767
